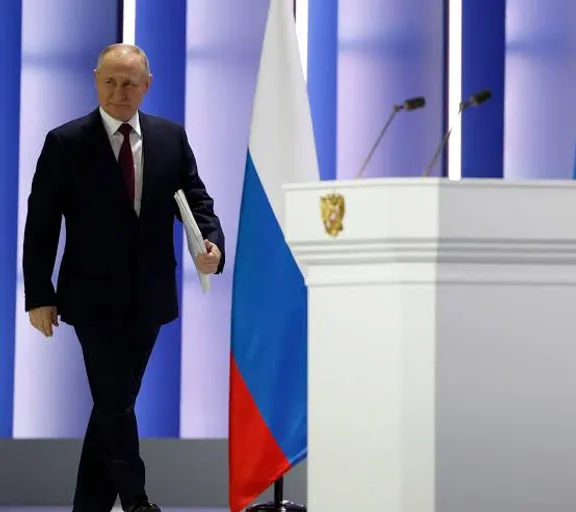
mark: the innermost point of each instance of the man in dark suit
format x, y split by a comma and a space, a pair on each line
112, 176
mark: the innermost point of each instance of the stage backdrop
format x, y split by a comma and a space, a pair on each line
363, 56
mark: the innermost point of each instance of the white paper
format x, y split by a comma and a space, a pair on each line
193, 236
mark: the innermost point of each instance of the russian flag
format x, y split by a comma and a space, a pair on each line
268, 362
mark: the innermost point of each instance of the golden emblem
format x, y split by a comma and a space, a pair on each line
332, 208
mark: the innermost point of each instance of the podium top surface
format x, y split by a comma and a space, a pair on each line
431, 182
430, 210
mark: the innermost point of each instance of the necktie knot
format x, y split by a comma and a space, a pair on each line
125, 129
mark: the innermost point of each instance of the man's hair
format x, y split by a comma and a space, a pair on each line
127, 48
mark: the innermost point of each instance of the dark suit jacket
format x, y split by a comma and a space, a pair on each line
116, 265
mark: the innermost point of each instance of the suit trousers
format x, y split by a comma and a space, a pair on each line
115, 357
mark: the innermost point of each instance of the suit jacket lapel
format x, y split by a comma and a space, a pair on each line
101, 142
102, 155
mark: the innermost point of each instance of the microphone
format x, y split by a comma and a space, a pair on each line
412, 104
474, 100
408, 105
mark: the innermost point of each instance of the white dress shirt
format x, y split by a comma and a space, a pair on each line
116, 139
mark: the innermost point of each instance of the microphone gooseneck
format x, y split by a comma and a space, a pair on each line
408, 105
474, 100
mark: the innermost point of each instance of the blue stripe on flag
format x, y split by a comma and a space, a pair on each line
10, 59
269, 320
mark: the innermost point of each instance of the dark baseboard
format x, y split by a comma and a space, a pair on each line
180, 472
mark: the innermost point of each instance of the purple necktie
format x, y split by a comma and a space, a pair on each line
126, 160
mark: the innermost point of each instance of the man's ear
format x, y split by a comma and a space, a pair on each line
148, 83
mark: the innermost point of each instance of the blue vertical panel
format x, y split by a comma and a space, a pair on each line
540, 124
483, 63
10, 42
161, 33
61, 40
323, 80
389, 50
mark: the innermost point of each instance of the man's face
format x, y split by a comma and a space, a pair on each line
121, 83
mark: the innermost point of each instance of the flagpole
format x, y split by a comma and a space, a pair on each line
279, 504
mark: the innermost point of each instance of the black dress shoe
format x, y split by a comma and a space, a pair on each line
143, 506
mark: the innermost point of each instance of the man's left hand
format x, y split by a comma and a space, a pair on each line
208, 263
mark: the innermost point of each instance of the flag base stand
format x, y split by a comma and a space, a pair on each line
283, 506
279, 504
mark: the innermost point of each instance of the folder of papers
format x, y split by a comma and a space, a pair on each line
193, 236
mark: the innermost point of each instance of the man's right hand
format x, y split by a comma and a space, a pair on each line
44, 318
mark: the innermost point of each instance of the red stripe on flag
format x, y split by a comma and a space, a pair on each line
255, 458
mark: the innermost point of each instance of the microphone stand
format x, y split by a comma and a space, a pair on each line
474, 101
395, 110
432, 163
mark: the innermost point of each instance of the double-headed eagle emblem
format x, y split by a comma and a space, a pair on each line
332, 208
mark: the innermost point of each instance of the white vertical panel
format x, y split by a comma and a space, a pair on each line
455, 89
129, 22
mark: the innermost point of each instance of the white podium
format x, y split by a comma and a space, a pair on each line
442, 344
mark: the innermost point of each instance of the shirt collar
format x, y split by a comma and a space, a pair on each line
111, 124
